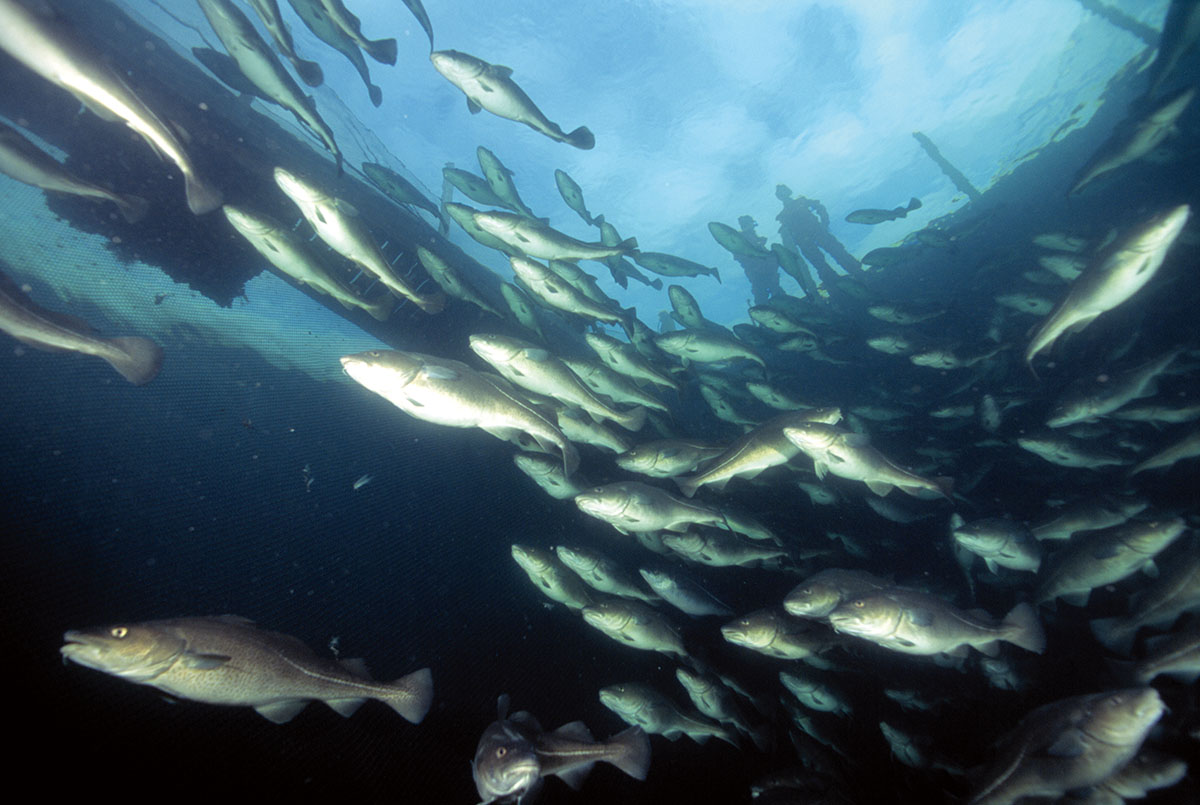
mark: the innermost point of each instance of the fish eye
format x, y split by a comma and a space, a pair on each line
858, 604
374, 353
119, 632
502, 751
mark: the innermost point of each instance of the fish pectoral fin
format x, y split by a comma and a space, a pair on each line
281, 712
345, 707
204, 662
346, 207
501, 70
473, 107
1069, 744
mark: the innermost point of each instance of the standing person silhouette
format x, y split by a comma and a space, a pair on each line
763, 272
804, 224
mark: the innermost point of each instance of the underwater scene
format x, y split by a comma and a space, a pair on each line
698, 401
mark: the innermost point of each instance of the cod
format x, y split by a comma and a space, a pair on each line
631, 506
602, 574
228, 660
552, 577
635, 625
1111, 279
705, 346
514, 755
557, 293
447, 392
656, 714
849, 455
536, 369
499, 179
537, 239
337, 223
490, 86
288, 252
44, 45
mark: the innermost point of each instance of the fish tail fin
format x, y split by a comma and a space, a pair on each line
913, 204
945, 486
582, 138
310, 72
570, 457
201, 196
1025, 630
432, 304
597, 220
634, 420
138, 359
656, 284
133, 208
687, 486
629, 244
1114, 633
376, 94
382, 50
381, 309
717, 274
413, 695
633, 755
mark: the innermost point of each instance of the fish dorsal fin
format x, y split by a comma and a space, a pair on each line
853, 439
575, 731
525, 718
236, 620
356, 666
501, 71
920, 617
204, 662
502, 705
538, 354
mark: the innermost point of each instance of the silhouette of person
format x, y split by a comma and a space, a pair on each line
763, 272
804, 224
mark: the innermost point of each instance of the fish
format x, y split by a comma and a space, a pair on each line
490, 86
1111, 279
521, 307
617, 387
735, 241
514, 755
1150, 770
705, 346
1001, 542
602, 573
337, 222
499, 179
535, 238
25, 162
583, 282
45, 45
683, 592
634, 624
312, 13
535, 368
686, 310
552, 577
557, 293
1093, 398
268, 11
893, 343
623, 358
949, 358
1089, 514
549, 475
668, 265
1067, 745
381, 50
1134, 139
1097, 558
1187, 447
1067, 452
822, 593
228, 73
1025, 302
259, 64
816, 693
874, 216
399, 189
894, 313
774, 396
714, 699
913, 622
770, 632
648, 709
722, 408
849, 455
464, 216
1180, 32
631, 506
582, 427
720, 549
418, 10
572, 194
229, 660
1176, 655
453, 281
136, 359
447, 392
1156, 605
762, 448
362, 481
288, 253
473, 187
667, 458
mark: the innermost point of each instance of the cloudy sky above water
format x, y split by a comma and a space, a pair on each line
700, 107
